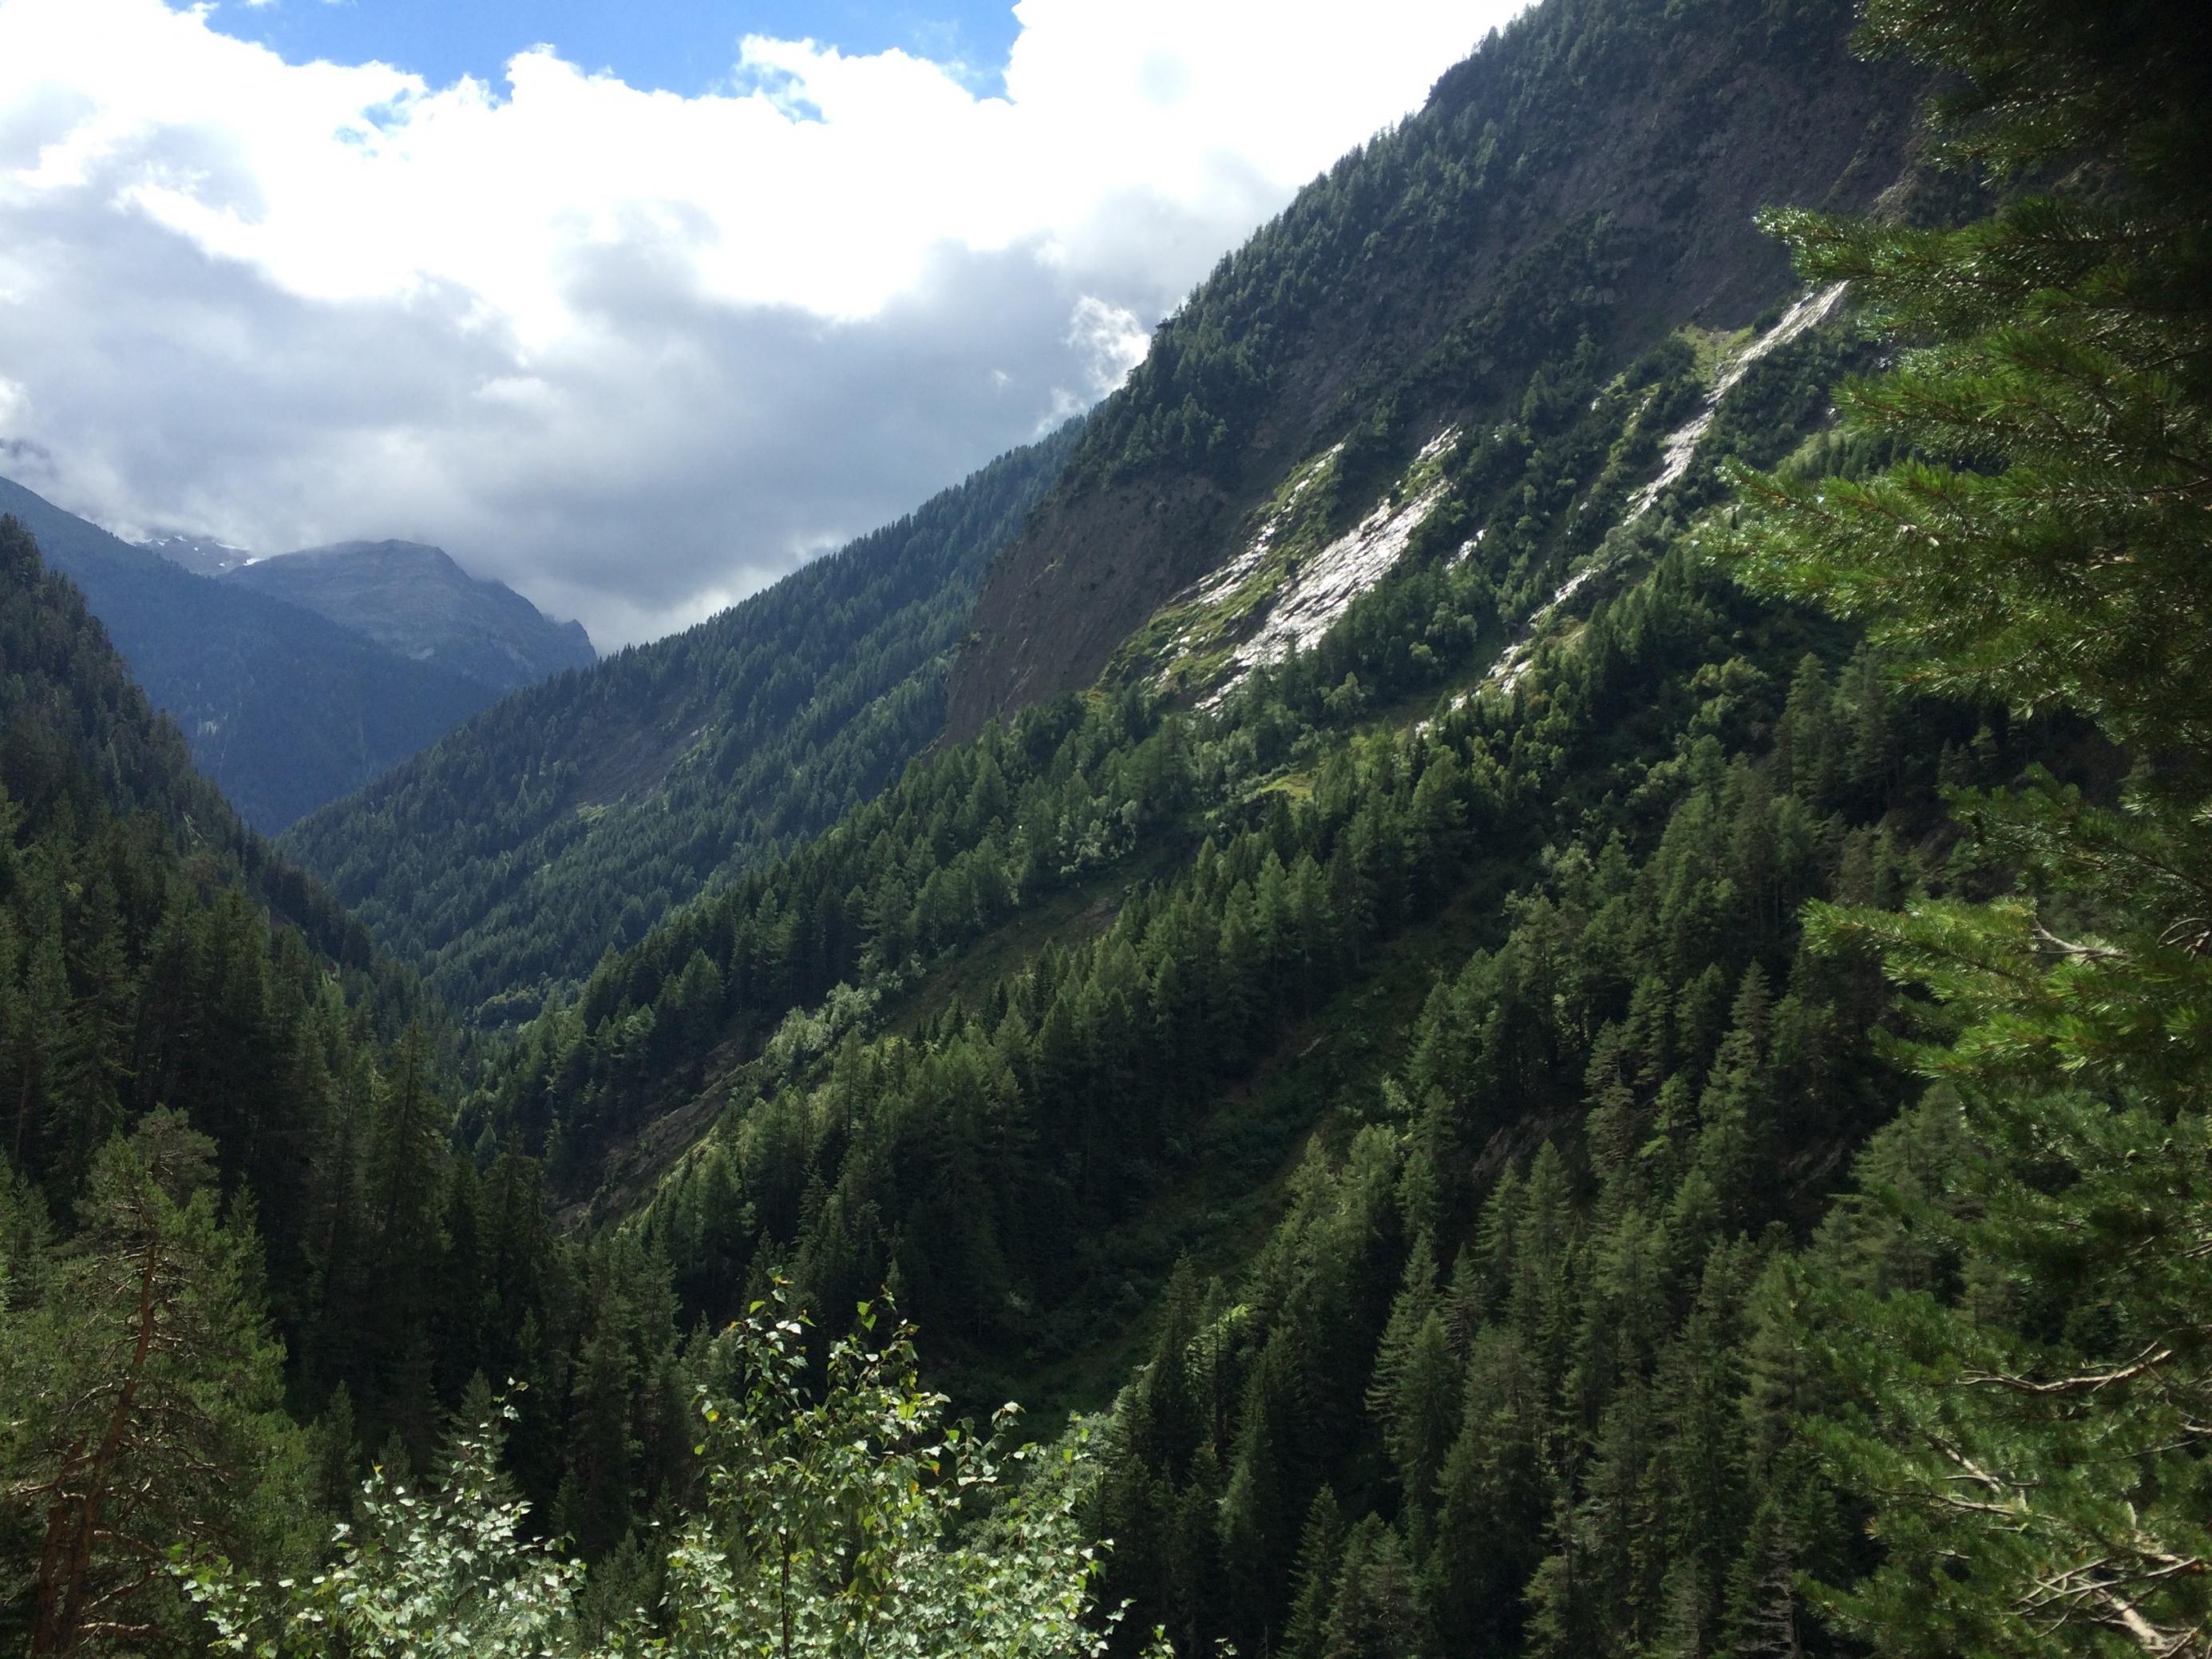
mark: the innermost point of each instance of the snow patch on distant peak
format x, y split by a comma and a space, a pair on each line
203, 555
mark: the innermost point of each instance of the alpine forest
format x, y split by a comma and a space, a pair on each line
1526, 941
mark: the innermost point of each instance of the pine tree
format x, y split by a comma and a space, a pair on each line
2030, 1431
1423, 1418
1321, 1549
1375, 1614
1492, 1503
145, 1402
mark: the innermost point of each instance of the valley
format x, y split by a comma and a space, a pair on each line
1520, 938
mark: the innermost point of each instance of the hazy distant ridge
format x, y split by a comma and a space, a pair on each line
415, 599
283, 709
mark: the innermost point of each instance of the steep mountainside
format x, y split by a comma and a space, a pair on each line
1370, 1041
74, 728
1416, 570
1442, 1002
417, 601
283, 708
1590, 175
565, 822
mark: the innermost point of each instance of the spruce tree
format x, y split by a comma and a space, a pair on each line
2030, 1431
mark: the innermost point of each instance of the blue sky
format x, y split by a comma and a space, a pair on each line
685, 46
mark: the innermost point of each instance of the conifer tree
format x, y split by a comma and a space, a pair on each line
145, 1401
2031, 1430
1320, 1549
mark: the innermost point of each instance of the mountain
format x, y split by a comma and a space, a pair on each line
416, 601
82, 740
1337, 1001
1383, 469
201, 554
1421, 284
283, 709
1584, 1027
507, 859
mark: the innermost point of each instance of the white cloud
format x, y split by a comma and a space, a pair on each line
1110, 341
634, 352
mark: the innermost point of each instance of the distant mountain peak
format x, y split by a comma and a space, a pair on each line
394, 549
203, 555
418, 600
284, 709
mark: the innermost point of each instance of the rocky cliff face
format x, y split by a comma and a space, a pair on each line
415, 600
1581, 178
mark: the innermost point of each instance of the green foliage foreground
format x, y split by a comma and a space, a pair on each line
840, 1521
2031, 1426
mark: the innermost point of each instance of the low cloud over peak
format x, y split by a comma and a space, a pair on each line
633, 353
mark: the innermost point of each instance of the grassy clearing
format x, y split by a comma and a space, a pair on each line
1715, 347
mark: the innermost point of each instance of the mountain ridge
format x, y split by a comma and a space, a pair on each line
203, 555
573, 816
418, 601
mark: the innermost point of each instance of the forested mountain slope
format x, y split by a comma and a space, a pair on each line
82, 741
1590, 175
1493, 539
283, 709
242, 1261
1287, 990
1110, 962
216, 1130
417, 601
504, 862
1414, 1057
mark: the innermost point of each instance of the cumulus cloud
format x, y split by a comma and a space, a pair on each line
635, 353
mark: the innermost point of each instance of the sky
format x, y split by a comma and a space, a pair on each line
635, 308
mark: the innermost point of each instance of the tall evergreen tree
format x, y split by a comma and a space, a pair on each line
2032, 1431
145, 1401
